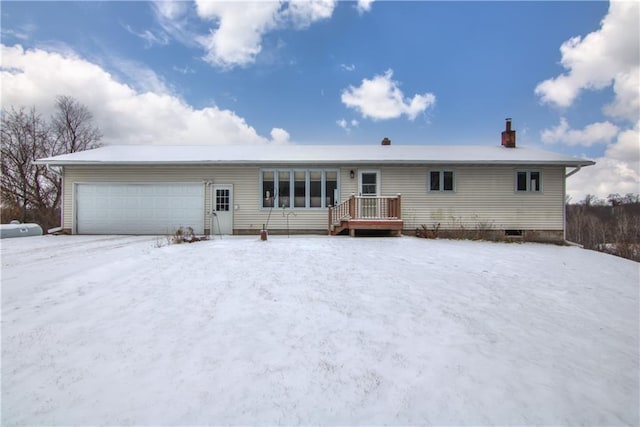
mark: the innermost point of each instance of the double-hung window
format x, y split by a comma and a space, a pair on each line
528, 181
298, 188
441, 180
330, 187
268, 188
284, 189
315, 189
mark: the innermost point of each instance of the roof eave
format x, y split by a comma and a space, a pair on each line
568, 163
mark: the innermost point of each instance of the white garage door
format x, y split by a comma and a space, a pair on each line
139, 208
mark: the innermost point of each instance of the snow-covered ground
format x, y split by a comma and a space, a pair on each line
316, 330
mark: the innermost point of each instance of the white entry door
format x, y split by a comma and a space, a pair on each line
369, 191
222, 209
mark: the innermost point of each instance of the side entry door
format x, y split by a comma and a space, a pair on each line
222, 209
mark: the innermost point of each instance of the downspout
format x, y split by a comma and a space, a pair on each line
60, 176
50, 169
210, 209
573, 172
564, 203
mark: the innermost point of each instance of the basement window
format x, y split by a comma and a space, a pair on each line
441, 180
528, 181
513, 233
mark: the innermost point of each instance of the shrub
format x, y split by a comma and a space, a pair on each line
428, 233
482, 231
186, 235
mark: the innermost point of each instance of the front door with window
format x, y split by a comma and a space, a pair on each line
222, 209
369, 191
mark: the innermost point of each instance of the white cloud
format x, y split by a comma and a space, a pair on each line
348, 67
175, 19
605, 57
627, 147
347, 125
150, 38
184, 70
238, 38
23, 32
303, 13
364, 6
124, 114
608, 55
141, 77
626, 104
241, 26
595, 133
381, 98
618, 171
280, 136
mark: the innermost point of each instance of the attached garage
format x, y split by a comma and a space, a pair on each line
140, 208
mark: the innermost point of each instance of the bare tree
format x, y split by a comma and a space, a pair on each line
590, 200
32, 191
25, 138
613, 228
72, 126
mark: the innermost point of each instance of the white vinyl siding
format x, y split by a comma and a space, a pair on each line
247, 215
484, 195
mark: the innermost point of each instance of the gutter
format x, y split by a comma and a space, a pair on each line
333, 162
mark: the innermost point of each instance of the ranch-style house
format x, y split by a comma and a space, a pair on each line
334, 189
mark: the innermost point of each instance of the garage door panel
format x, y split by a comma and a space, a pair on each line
154, 208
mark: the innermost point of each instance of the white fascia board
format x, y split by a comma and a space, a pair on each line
567, 163
312, 155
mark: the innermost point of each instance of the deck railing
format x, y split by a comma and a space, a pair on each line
369, 208
340, 212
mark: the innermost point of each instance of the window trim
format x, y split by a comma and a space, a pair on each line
292, 170
441, 188
261, 187
378, 181
528, 173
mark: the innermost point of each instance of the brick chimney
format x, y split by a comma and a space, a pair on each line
509, 136
386, 141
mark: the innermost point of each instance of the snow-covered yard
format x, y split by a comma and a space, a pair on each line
307, 330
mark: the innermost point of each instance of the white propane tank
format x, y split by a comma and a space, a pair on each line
15, 229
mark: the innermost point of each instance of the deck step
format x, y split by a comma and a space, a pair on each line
369, 224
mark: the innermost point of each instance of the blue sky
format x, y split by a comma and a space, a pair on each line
324, 72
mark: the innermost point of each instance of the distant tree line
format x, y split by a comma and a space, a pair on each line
30, 192
609, 225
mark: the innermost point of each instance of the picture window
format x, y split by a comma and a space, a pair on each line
285, 188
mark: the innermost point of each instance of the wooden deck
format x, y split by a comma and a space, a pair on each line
366, 213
